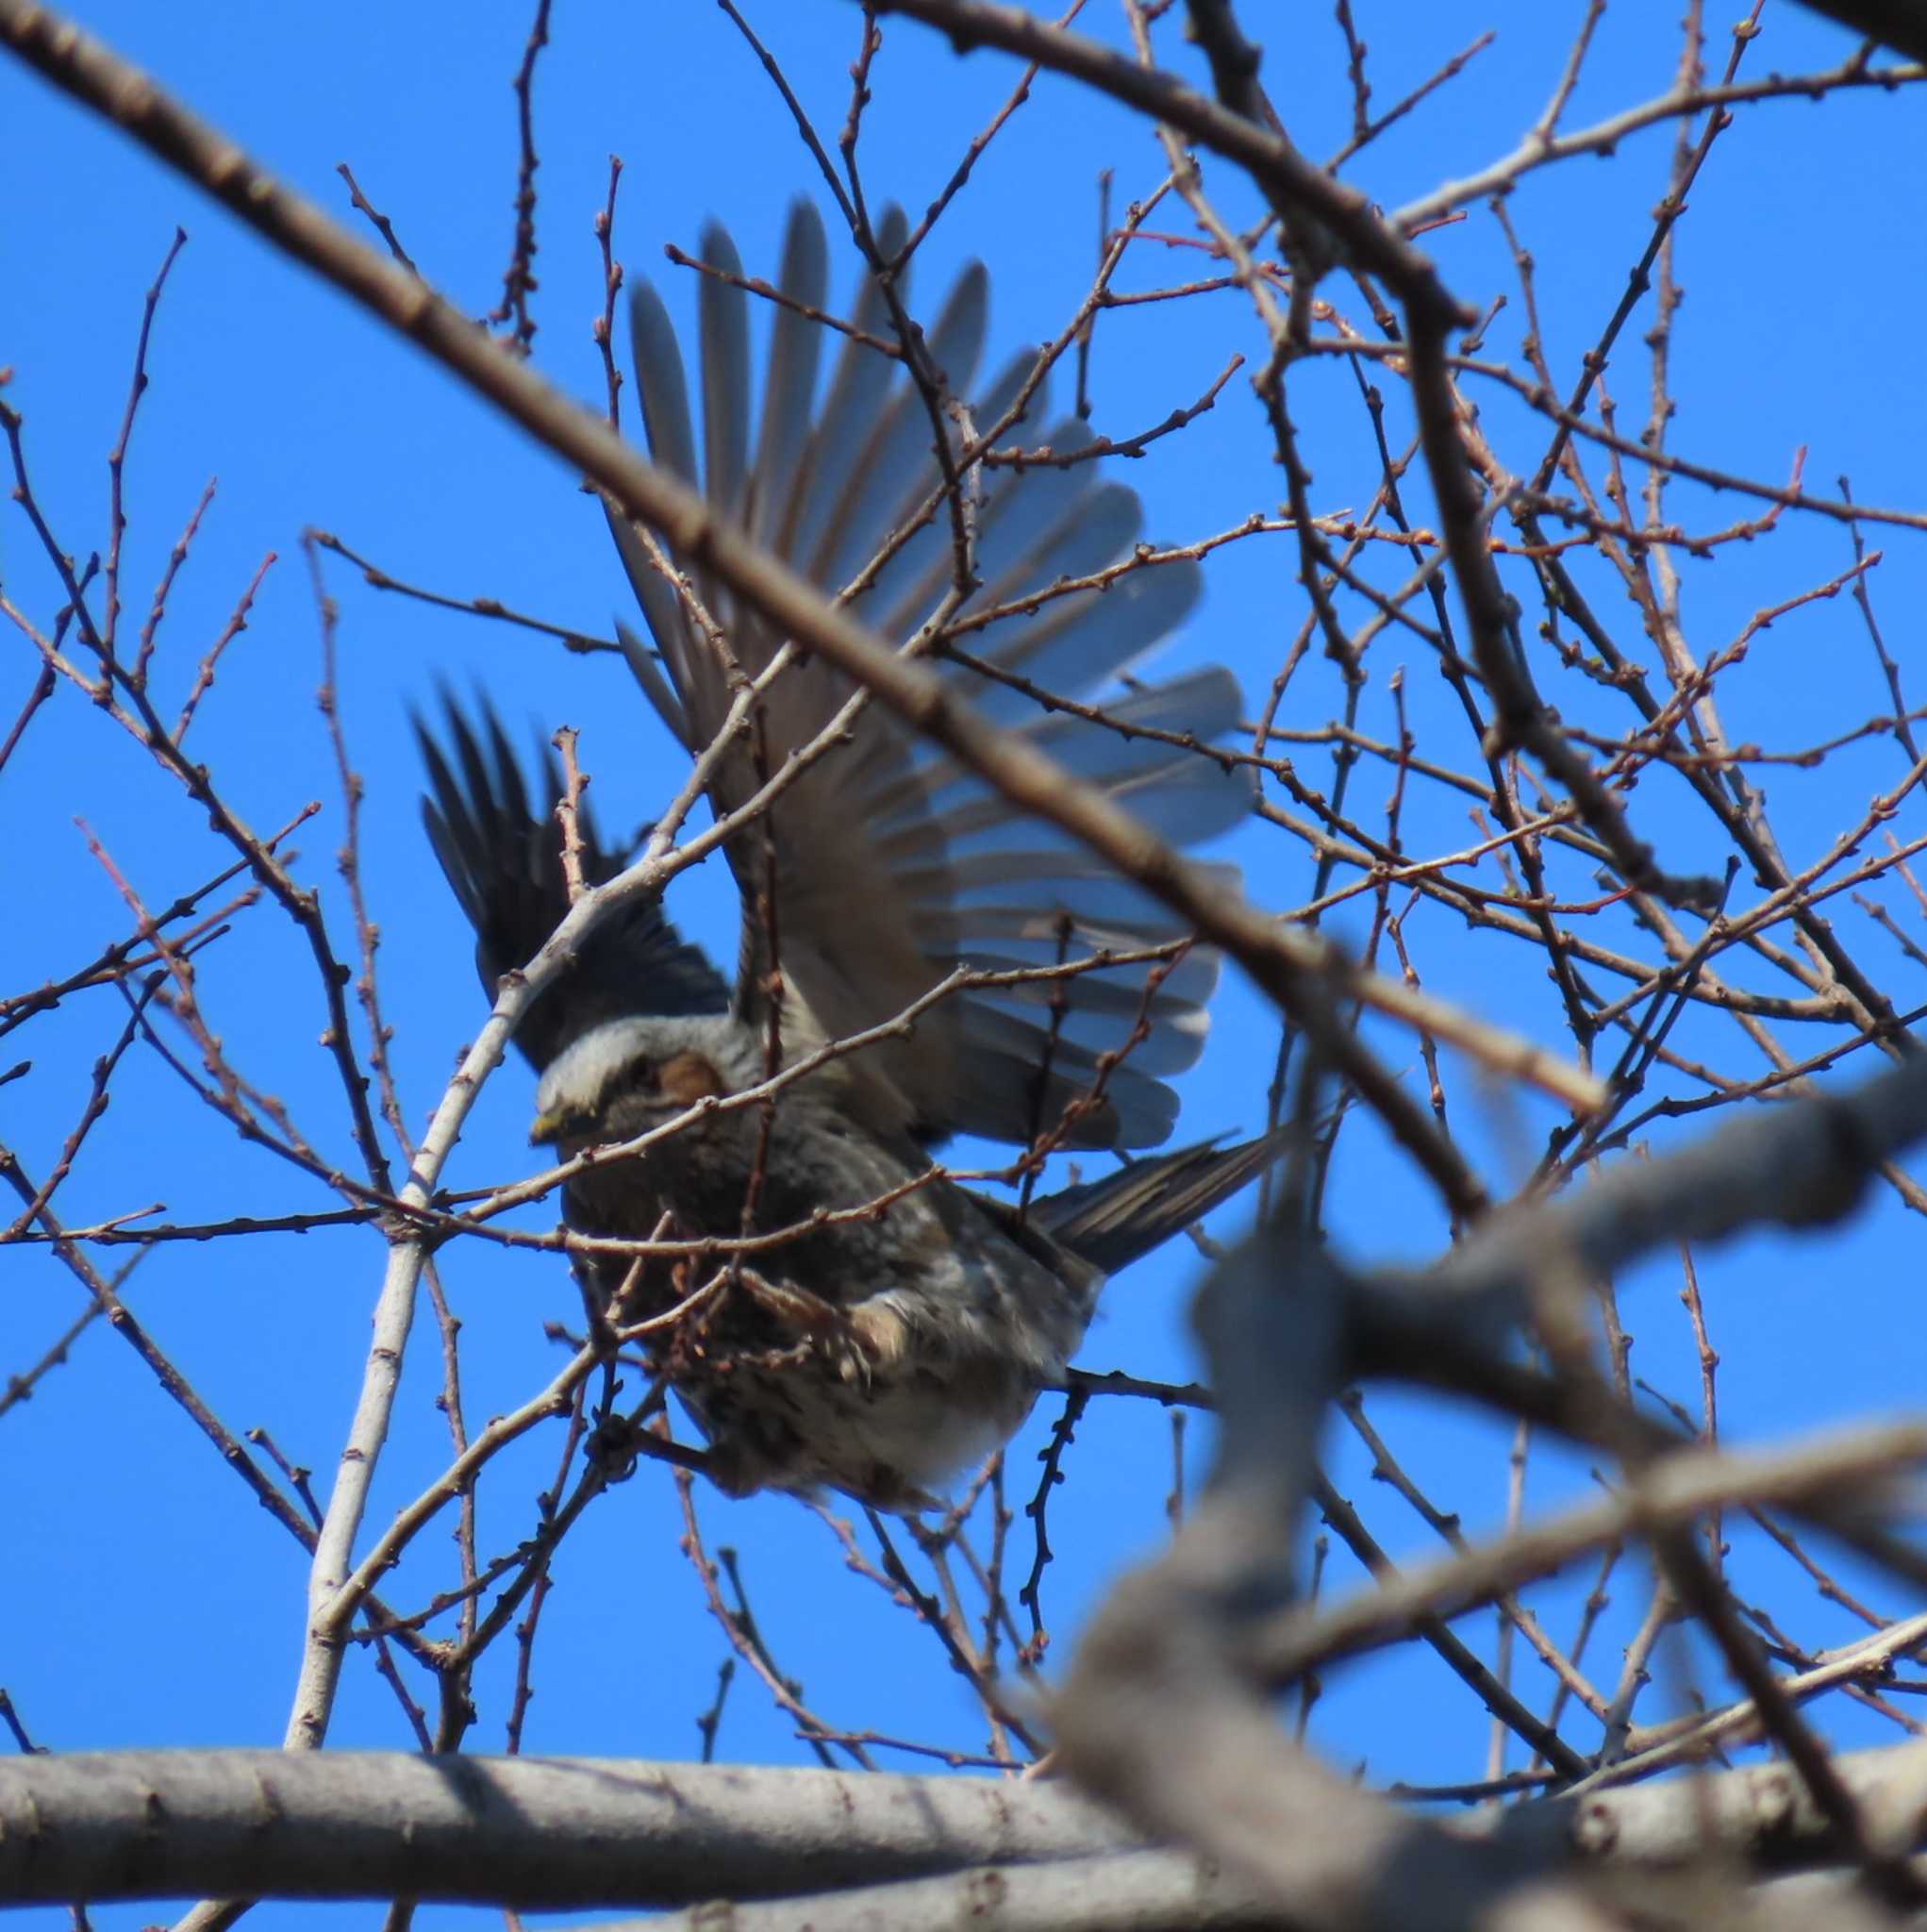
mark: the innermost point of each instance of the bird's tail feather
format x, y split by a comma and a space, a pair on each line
1112, 1222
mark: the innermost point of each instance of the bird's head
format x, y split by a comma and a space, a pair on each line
625, 1076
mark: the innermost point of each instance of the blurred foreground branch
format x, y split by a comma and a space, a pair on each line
1168, 1711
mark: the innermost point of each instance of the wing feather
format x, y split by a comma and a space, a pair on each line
790, 392
503, 858
887, 865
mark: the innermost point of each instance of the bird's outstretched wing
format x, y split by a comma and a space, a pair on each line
885, 866
502, 852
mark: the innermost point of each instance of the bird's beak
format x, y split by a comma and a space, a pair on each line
546, 1130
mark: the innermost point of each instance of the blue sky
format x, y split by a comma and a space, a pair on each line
150, 1601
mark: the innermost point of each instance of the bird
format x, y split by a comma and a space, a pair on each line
843, 1315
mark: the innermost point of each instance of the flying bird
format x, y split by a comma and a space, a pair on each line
865, 1323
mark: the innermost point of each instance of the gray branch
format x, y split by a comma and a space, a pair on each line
555, 1832
1122, 1891
824, 1847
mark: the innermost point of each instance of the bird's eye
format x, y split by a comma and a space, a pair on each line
638, 1075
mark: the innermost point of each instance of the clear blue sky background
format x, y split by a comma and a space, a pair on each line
145, 1599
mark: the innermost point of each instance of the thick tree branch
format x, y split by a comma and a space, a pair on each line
562, 1832
524, 1831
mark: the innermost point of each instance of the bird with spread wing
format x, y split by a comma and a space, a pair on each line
864, 1322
